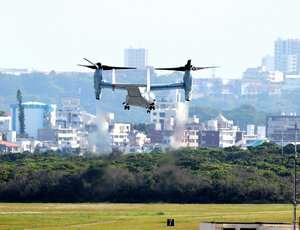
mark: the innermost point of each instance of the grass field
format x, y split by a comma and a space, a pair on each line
135, 216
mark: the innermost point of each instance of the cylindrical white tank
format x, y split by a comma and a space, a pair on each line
34, 117
37, 116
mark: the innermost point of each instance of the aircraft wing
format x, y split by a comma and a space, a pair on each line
134, 88
121, 86
167, 86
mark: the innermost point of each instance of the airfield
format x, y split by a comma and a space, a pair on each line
135, 216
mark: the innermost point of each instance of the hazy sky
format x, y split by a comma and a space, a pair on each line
57, 34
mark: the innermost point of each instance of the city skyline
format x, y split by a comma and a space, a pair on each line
56, 35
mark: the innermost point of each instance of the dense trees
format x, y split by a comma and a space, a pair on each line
200, 175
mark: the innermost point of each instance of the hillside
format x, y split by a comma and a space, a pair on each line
241, 116
49, 88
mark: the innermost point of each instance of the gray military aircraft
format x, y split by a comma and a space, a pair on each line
140, 94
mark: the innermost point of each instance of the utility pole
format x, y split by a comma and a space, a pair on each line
295, 178
282, 144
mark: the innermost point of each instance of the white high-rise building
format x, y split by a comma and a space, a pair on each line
287, 55
136, 57
167, 109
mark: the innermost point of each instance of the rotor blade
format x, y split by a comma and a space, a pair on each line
182, 68
89, 66
106, 67
200, 68
89, 61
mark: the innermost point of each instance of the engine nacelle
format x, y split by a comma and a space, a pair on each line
188, 83
97, 82
98, 94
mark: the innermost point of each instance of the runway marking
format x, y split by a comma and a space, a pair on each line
105, 222
25, 212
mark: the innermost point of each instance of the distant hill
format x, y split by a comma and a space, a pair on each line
241, 116
50, 88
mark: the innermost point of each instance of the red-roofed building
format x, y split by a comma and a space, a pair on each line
6, 147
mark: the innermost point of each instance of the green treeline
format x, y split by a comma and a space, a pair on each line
231, 175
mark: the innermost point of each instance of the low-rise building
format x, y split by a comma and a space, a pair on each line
262, 74
63, 138
190, 139
245, 226
219, 133
119, 127
281, 129
28, 144
7, 147
291, 82
254, 87
5, 123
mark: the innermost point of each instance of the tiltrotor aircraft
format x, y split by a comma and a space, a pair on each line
140, 94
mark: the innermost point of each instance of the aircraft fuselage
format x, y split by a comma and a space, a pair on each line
142, 99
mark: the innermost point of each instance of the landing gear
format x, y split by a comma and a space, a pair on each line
151, 107
127, 107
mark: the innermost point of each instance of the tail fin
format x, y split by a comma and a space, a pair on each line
113, 78
148, 80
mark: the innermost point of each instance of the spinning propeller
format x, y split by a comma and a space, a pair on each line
98, 65
188, 66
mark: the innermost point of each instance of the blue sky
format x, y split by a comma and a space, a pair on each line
57, 34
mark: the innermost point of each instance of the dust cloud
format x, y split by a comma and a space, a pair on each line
101, 138
182, 119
